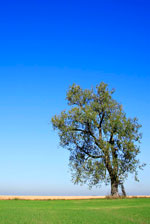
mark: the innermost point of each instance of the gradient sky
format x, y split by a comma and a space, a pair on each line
45, 46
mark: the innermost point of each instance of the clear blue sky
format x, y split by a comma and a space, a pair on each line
45, 46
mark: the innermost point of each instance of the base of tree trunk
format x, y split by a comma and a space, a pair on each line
114, 189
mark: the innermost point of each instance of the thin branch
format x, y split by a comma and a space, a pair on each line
111, 139
101, 120
87, 153
88, 132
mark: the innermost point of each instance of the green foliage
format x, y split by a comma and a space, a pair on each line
103, 142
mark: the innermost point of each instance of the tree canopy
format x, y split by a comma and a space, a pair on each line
103, 142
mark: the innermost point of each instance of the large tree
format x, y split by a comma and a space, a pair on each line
102, 141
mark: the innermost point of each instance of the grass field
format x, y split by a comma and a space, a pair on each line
120, 211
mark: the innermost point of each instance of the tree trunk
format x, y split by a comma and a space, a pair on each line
114, 188
123, 190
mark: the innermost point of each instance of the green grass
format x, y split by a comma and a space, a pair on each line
120, 211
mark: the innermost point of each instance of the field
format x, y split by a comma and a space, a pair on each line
105, 211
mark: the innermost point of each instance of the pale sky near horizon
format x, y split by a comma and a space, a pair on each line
45, 47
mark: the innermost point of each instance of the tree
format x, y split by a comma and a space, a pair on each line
103, 142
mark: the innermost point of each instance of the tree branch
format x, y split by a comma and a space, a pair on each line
101, 120
88, 132
87, 153
111, 139
100, 126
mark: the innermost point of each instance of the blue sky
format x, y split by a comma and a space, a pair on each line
44, 48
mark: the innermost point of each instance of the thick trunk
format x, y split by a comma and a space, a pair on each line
114, 188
